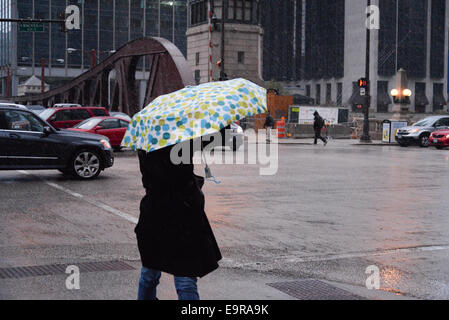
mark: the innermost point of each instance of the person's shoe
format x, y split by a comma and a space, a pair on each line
325, 143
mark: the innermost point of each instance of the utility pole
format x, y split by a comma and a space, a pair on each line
365, 136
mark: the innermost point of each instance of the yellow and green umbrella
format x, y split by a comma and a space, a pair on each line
193, 112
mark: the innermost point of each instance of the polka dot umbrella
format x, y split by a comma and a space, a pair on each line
193, 112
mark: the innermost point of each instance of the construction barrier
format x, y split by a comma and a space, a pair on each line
280, 125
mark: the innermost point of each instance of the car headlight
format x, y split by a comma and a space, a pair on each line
105, 143
447, 137
414, 130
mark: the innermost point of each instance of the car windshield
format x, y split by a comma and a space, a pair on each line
424, 123
46, 113
88, 124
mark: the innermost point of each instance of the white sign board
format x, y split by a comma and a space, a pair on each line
330, 115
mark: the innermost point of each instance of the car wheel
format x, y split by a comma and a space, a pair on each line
86, 165
424, 140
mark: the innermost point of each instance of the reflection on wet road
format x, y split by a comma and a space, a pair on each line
329, 213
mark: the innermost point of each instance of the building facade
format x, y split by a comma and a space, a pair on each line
105, 26
412, 35
318, 48
241, 50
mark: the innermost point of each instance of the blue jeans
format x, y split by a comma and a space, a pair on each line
149, 279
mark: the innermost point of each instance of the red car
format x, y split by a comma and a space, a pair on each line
112, 127
67, 117
439, 139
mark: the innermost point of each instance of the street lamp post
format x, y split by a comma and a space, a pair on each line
93, 54
401, 96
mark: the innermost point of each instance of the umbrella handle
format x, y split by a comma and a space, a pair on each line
208, 173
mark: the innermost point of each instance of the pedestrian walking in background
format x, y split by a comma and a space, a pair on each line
269, 124
173, 232
318, 125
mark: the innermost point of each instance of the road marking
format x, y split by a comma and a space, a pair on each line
294, 259
97, 204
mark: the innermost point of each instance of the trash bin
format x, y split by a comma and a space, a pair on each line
390, 128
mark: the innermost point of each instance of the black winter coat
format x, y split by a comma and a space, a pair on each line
269, 122
173, 232
318, 124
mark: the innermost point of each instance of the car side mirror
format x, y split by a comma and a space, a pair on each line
47, 131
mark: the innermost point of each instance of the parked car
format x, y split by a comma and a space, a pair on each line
439, 139
67, 117
28, 142
420, 132
112, 127
120, 115
36, 108
13, 105
66, 105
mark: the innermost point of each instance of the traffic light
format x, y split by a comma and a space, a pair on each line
62, 17
363, 83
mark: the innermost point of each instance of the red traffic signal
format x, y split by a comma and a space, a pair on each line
363, 83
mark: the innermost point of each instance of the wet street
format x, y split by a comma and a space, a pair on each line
328, 213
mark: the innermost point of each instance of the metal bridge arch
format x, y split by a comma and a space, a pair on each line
168, 72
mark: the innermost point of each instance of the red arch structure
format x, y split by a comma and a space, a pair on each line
168, 72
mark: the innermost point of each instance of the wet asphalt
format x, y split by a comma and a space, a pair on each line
328, 213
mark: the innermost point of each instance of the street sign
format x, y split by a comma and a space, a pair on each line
31, 27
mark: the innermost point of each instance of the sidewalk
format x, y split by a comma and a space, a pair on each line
226, 283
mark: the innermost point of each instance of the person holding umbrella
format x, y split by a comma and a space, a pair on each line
173, 232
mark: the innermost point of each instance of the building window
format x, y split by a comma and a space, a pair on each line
339, 94
421, 100
308, 90
198, 12
318, 94
240, 10
439, 101
197, 58
328, 93
241, 57
383, 96
197, 76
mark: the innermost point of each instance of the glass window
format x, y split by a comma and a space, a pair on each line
328, 93
80, 114
231, 12
87, 124
248, 9
241, 57
318, 94
98, 112
239, 9
442, 122
62, 115
22, 121
110, 124
124, 124
3, 123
